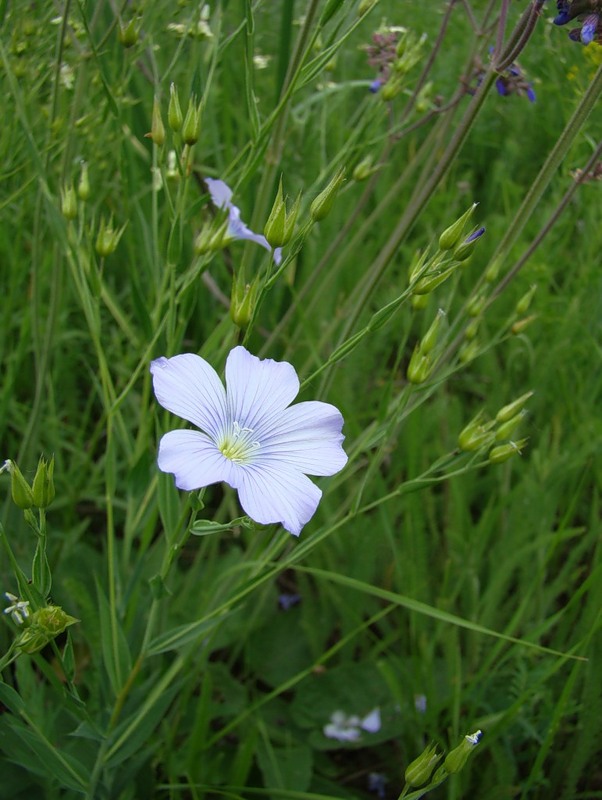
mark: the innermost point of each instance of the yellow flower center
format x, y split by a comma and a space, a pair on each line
237, 444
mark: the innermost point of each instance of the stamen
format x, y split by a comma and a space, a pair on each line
237, 444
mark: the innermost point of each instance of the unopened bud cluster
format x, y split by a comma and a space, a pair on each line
186, 126
421, 771
41, 492
497, 434
42, 627
455, 247
422, 360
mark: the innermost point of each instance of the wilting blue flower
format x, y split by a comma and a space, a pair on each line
589, 13
221, 197
252, 438
346, 728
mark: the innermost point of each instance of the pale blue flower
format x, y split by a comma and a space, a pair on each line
221, 197
19, 609
251, 440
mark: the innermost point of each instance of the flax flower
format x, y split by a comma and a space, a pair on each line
252, 439
221, 197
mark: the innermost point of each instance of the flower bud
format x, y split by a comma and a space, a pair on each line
472, 329
475, 305
83, 187
242, 302
107, 238
428, 282
421, 769
365, 6
452, 235
364, 169
506, 429
174, 111
191, 128
43, 483
492, 271
512, 409
523, 304
464, 251
457, 758
419, 301
429, 340
68, 202
280, 225
128, 34
391, 88
419, 367
476, 434
322, 204
503, 452
519, 326
157, 133
44, 626
20, 489
468, 351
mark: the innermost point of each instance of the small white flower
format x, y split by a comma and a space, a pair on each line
18, 610
345, 728
252, 438
221, 197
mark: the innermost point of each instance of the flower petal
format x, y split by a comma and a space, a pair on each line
193, 458
238, 230
277, 494
220, 192
188, 386
306, 437
258, 390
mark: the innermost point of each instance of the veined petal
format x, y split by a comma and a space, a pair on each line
258, 390
188, 386
193, 458
238, 230
220, 192
277, 494
306, 437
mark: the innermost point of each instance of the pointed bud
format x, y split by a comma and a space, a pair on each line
83, 187
128, 34
506, 429
191, 128
243, 302
421, 769
476, 434
521, 324
503, 452
475, 305
43, 483
20, 489
464, 251
429, 282
157, 133
365, 6
523, 304
391, 88
419, 367
512, 409
107, 238
280, 225
174, 111
68, 202
457, 758
322, 204
472, 329
364, 169
492, 271
468, 351
429, 340
420, 301
452, 235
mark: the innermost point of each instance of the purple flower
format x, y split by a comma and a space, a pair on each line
589, 13
287, 600
252, 438
221, 197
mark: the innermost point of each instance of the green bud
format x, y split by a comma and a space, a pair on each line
429, 282
493, 271
475, 305
523, 304
128, 34
465, 249
174, 111
476, 434
417, 267
191, 128
472, 329
457, 758
391, 88
83, 187
421, 769
44, 626
419, 367
423, 100
429, 340
452, 235
506, 429
419, 301
68, 202
503, 452
107, 238
157, 133
512, 409
365, 6
364, 169
280, 225
43, 483
322, 204
20, 489
468, 351
242, 302
519, 326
